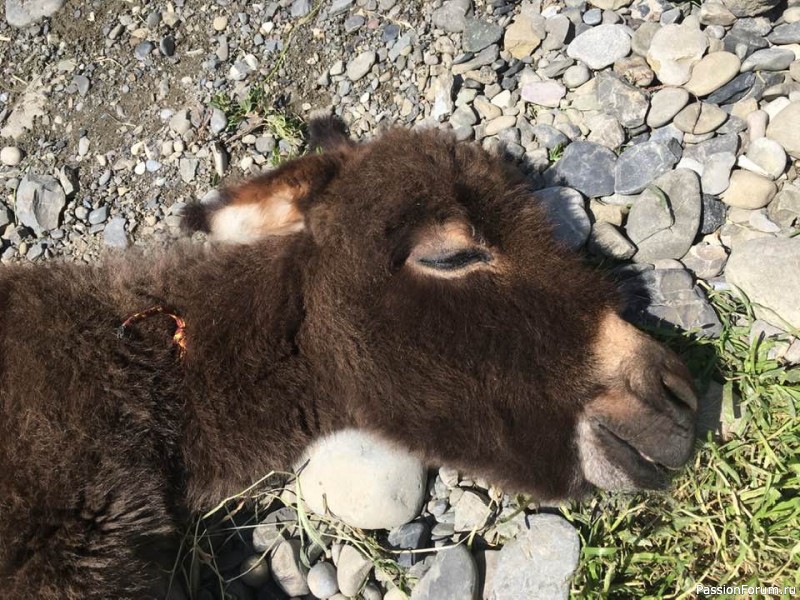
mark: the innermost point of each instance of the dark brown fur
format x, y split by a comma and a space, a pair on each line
107, 442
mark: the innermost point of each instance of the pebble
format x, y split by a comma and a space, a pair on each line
599, 47
548, 136
300, 8
749, 190
167, 45
749, 8
665, 104
451, 16
715, 13
605, 130
608, 240
82, 83
544, 93
712, 72
98, 215
705, 260
499, 124
769, 59
539, 563
453, 575
287, 570
322, 580
783, 129
218, 121
586, 167
83, 146
673, 52
627, 103
352, 571
276, 526
673, 299
788, 33
734, 90
566, 210
254, 571
757, 124
664, 220
188, 169
364, 481
522, 37
114, 235
768, 155
699, 118
593, 16
785, 207
143, 50
220, 23
361, 65
410, 536
765, 269
716, 175
39, 203
480, 34
180, 122
640, 164
11, 156
471, 512
23, 13
575, 76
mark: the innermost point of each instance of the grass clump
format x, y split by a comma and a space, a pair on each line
733, 516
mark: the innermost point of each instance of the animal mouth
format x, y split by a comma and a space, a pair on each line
655, 473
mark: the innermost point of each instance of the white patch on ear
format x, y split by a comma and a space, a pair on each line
597, 469
247, 223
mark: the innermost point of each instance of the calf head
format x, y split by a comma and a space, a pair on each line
440, 313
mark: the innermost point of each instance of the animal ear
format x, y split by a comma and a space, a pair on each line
272, 204
449, 250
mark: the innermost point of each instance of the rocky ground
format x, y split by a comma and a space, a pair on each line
664, 138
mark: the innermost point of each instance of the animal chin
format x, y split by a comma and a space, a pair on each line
611, 462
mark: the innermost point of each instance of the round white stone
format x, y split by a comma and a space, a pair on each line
365, 481
10, 156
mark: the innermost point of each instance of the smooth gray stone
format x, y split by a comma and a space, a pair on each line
480, 34
538, 564
586, 167
669, 297
565, 209
767, 270
627, 103
452, 576
640, 164
40, 200
665, 219
788, 33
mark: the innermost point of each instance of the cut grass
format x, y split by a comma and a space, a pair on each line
733, 516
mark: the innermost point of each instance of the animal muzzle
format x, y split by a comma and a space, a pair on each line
641, 428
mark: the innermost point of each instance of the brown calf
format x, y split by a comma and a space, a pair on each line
408, 286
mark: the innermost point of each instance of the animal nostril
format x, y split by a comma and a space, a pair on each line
679, 390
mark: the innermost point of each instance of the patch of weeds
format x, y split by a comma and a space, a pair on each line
555, 153
255, 113
733, 515
227, 528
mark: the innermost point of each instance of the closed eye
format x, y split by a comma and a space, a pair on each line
455, 260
